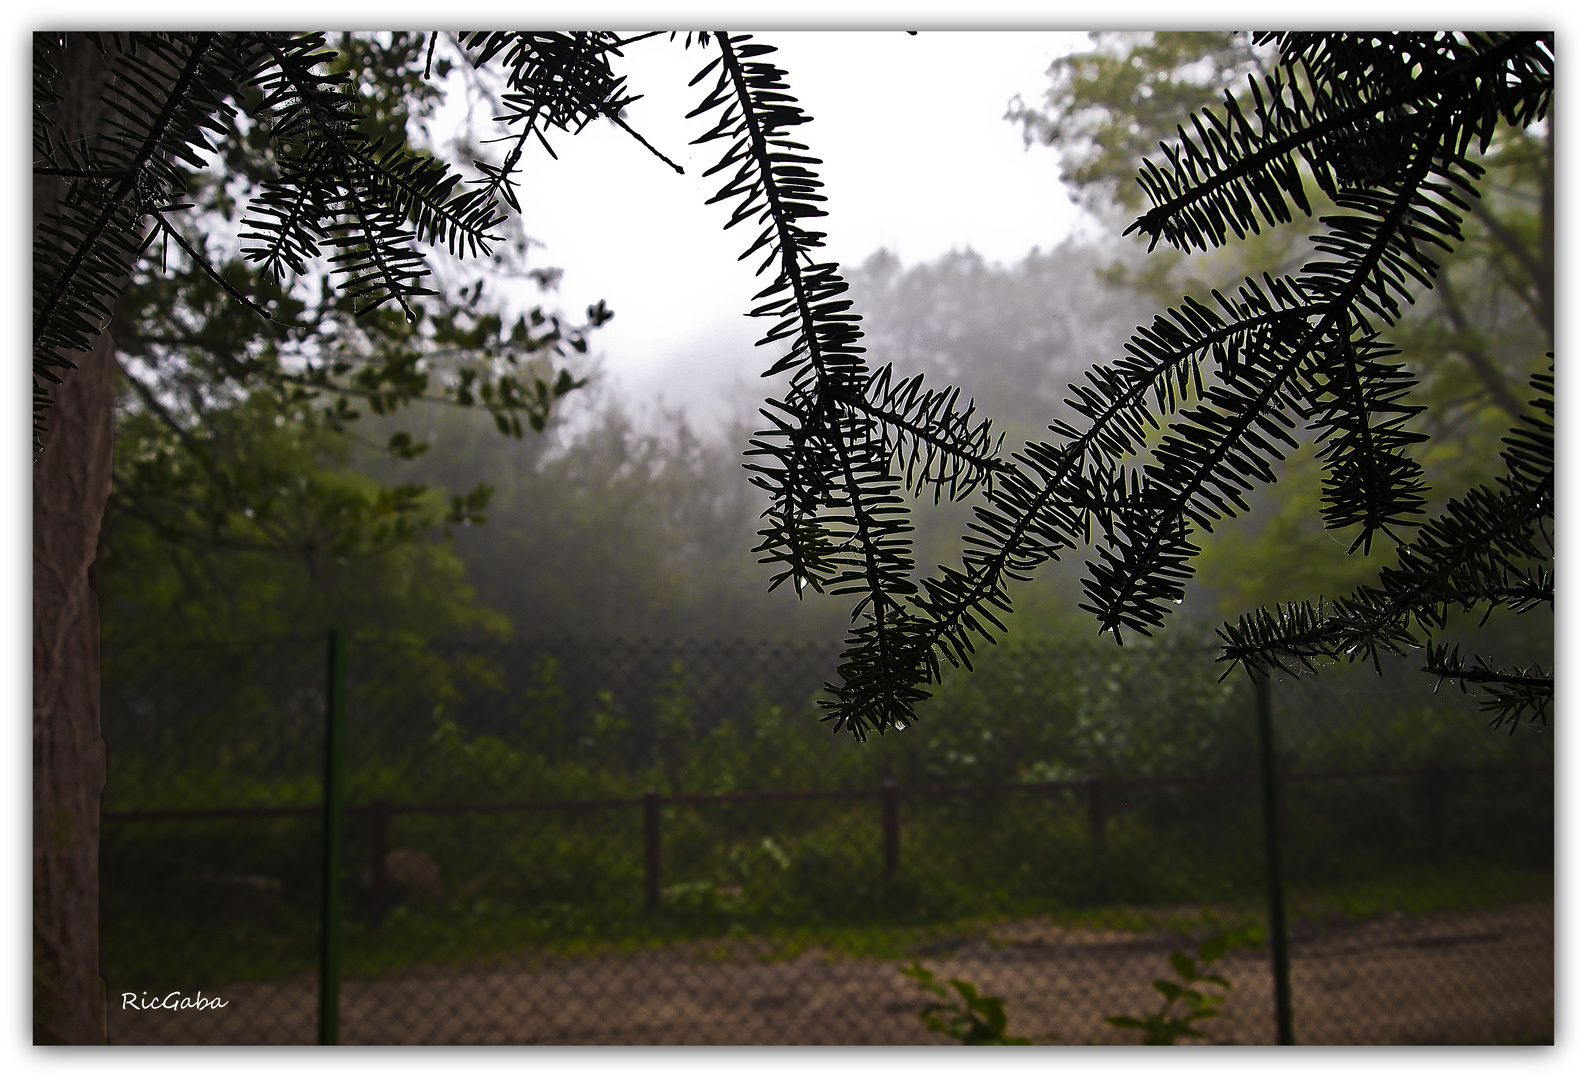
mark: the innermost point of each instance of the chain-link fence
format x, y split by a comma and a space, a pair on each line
657, 843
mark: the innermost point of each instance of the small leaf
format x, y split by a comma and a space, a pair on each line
996, 1017
924, 977
1184, 964
1213, 948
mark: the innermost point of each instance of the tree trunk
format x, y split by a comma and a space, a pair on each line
71, 484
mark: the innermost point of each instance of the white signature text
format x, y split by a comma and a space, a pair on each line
174, 1000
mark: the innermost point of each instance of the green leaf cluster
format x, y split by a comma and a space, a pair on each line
266, 536
975, 1020
1112, 105
1184, 1005
237, 435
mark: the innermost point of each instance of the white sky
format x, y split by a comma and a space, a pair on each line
917, 158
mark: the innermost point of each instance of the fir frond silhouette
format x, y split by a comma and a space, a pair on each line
844, 442
1390, 127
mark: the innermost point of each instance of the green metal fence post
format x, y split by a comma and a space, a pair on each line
331, 819
1278, 928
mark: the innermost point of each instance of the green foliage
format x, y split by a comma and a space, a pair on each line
330, 182
1184, 1006
1111, 106
240, 502
616, 527
1017, 717
979, 1021
237, 512
429, 724
200, 379
263, 533
434, 725
305, 150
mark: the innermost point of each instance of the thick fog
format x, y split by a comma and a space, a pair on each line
946, 172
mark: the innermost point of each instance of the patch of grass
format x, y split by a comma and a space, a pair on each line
499, 929
1539, 1036
160, 954
1422, 890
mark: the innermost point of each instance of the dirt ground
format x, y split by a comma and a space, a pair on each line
1466, 978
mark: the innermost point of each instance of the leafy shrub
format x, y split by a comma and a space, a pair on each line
1184, 1006
974, 1021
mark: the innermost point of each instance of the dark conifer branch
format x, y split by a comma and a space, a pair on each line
1488, 548
1128, 590
1515, 696
81, 174
788, 246
780, 191
1386, 124
159, 133
1385, 128
167, 230
1044, 484
837, 521
1236, 154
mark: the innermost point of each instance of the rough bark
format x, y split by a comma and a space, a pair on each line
71, 484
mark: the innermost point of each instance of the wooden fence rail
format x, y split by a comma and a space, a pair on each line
1098, 793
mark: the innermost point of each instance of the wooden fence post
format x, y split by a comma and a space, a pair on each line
652, 850
889, 828
1097, 817
380, 814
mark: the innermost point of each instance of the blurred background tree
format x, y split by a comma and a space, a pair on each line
237, 508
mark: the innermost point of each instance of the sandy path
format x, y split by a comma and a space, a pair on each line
1457, 978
